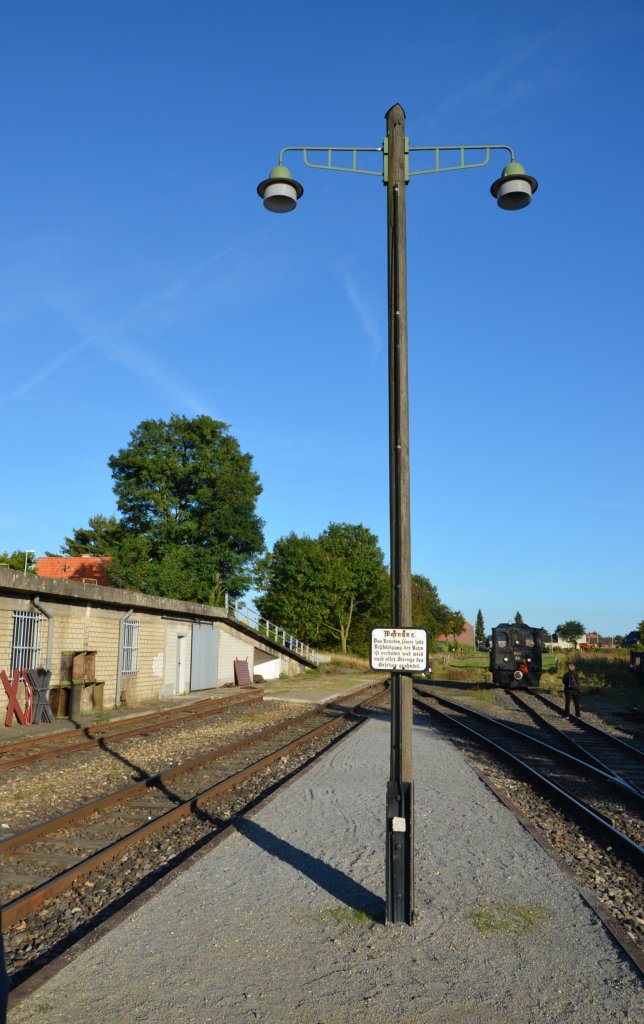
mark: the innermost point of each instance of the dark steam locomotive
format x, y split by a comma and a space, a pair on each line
515, 655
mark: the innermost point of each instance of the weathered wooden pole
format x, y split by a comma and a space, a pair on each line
400, 788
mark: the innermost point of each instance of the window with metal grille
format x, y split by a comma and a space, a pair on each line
25, 642
130, 648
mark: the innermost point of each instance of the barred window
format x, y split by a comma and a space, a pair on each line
130, 648
25, 642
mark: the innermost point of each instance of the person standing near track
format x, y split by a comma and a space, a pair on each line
571, 689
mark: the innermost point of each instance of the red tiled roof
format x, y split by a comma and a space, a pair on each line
82, 567
466, 637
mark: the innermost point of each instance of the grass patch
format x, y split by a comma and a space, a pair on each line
465, 674
326, 669
605, 678
350, 661
482, 696
513, 918
347, 915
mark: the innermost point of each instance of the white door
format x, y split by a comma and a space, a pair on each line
179, 673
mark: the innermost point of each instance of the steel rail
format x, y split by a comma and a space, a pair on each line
606, 776
589, 727
634, 848
118, 731
120, 797
87, 730
14, 910
521, 701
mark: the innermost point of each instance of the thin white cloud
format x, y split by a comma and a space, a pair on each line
48, 369
100, 340
481, 90
365, 308
151, 372
506, 85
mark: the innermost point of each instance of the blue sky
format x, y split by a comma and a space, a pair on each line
140, 276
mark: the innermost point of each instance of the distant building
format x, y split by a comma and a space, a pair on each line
596, 640
466, 637
557, 641
82, 568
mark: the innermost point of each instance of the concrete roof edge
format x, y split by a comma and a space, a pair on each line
26, 585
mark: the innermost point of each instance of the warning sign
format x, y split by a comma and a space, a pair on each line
398, 649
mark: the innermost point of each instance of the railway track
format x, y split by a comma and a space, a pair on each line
145, 829
72, 741
614, 755
610, 802
600, 844
172, 814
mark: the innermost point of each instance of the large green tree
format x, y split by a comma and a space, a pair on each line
330, 590
294, 581
428, 611
101, 536
188, 526
571, 631
359, 582
455, 626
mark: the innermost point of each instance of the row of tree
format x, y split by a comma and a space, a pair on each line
333, 589
23, 561
570, 631
187, 527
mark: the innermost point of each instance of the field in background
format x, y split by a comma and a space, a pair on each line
606, 680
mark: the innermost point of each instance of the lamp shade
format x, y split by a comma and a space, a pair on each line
514, 189
280, 191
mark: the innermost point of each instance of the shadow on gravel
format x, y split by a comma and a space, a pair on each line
139, 773
335, 882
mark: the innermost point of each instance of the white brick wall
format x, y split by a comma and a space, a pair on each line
233, 647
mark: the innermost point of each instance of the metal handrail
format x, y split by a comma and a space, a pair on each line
251, 617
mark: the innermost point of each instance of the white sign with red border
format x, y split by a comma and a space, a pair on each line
398, 649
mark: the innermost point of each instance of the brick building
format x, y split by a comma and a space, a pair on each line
466, 637
122, 641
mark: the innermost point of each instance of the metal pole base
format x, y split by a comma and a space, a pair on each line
400, 853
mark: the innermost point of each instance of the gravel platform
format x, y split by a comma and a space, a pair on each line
276, 924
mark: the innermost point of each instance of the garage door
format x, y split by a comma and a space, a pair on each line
203, 669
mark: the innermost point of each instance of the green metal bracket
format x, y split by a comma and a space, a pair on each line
462, 165
330, 150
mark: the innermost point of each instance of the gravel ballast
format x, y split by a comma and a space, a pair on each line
274, 925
